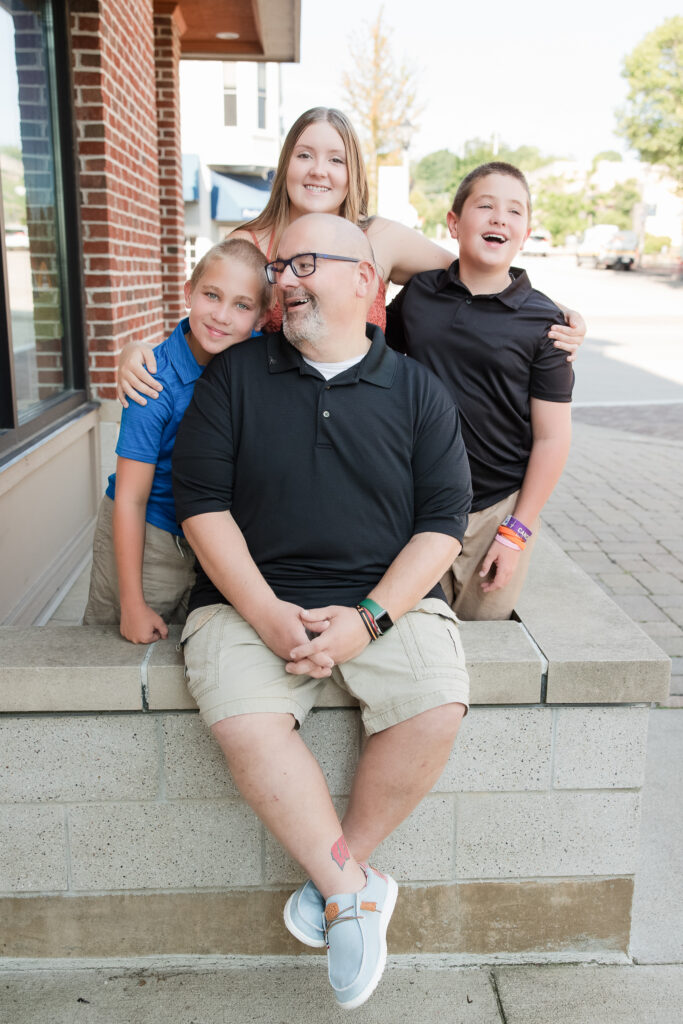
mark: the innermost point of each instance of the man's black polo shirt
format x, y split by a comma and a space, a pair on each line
493, 354
327, 480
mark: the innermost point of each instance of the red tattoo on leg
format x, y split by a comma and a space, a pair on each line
340, 853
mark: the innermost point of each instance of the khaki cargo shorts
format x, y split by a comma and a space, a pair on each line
416, 666
462, 583
168, 573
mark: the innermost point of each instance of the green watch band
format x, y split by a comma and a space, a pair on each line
380, 615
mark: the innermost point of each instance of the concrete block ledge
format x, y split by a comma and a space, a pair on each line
595, 652
571, 636
479, 918
124, 834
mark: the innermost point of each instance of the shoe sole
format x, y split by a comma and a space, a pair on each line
296, 932
385, 917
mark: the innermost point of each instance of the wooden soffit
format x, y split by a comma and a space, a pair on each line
236, 29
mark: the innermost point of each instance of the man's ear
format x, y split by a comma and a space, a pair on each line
452, 222
368, 278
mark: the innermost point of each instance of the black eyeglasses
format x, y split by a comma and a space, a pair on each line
303, 265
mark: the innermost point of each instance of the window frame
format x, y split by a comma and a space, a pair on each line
54, 411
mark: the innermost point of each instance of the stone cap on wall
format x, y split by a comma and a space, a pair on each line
572, 645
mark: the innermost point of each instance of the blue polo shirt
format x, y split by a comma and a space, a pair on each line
148, 432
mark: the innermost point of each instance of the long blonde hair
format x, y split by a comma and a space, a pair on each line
275, 215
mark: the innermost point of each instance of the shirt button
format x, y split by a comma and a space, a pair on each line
326, 414
468, 301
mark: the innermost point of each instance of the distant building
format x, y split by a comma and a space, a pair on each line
660, 211
230, 135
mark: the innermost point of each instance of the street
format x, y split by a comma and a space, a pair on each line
616, 509
633, 353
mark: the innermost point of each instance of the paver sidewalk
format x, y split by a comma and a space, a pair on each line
297, 992
617, 512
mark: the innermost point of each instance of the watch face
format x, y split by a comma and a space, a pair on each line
384, 622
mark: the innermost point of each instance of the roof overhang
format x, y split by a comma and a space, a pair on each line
236, 29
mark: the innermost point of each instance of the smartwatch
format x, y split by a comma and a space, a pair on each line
381, 616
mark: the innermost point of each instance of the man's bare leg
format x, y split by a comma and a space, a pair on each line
282, 782
397, 768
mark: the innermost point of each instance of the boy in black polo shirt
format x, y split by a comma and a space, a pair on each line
482, 329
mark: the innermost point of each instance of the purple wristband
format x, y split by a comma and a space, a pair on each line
519, 528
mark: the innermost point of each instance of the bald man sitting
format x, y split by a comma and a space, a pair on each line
322, 482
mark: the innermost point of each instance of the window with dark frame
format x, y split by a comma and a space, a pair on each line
42, 364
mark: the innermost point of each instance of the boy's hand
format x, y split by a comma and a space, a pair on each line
570, 335
142, 625
132, 377
503, 561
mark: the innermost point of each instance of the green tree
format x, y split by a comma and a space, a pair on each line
432, 194
652, 119
562, 213
432, 209
436, 172
381, 94
437, 176
616, 206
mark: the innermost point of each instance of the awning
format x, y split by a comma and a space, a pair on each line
190, 177
235, 198
236, 29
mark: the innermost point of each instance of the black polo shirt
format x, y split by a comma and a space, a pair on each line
493, 354
327, 480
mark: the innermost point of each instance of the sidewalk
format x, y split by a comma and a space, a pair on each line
617, 512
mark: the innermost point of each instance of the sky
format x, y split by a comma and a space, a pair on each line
534, 72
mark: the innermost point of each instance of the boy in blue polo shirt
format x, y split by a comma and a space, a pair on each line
143, 568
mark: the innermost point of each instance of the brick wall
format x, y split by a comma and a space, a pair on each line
167, 52
116, 125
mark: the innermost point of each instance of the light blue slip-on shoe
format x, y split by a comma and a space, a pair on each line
304, 915
356, 938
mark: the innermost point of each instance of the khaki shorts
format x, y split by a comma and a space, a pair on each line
167, 573
416, 666
462, 583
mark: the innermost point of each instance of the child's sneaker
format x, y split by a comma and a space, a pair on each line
304, 915
356, 938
